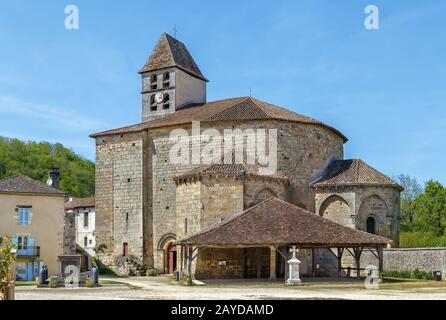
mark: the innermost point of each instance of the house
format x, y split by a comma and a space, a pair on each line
32, 213
84, 217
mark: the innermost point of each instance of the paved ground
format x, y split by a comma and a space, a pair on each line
164, 288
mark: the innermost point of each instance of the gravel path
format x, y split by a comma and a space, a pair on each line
163, 288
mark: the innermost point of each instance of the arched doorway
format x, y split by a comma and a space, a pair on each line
171, 258
371, 225
169, 250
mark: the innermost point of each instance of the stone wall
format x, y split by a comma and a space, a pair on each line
302, 151
352, 206
220, 263
119, 195
426, 259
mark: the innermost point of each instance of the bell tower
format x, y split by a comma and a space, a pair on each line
170, 80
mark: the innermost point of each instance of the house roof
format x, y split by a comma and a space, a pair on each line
276, 222
353, 172
20, 183
169, 52
233, 109
80, 203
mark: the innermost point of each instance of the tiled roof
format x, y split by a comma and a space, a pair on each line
276, 222
352, 173
234, 109
228, 169
228, 165
169, 52
80, 203
23, 184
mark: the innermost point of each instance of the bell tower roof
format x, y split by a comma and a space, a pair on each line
169, 52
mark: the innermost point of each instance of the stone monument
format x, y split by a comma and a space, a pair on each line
293, 269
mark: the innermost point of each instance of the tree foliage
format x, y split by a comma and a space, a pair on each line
431, 209
7, 257
412, 189
35, 158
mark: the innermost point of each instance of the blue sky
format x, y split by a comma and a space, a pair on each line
385, 89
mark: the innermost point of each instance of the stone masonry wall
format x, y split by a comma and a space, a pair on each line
426, 259
359, 203
302, 152
119, 195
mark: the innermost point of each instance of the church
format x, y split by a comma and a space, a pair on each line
233, 220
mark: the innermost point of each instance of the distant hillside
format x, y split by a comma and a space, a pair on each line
35, 158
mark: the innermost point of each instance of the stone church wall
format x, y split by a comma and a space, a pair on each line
119, 198
302, 152
360, 203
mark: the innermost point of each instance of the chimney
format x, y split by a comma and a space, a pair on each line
54, 178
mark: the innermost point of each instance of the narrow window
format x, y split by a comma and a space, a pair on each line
153, 82
85, 219
85, 241
125, 249
185, 226
166, 101
371, 225
24, 216
166, 80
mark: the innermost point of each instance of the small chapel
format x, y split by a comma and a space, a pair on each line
229, 219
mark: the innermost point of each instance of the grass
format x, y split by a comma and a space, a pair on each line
26, 283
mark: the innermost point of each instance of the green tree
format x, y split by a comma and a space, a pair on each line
35, 158
431, 208
7, 257
412, 189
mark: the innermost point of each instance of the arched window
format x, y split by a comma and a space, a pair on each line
153, 82
166, 101
166, 80
371, 225
153, 105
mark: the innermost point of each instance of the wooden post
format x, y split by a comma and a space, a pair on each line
272, 263
313, 262
258, 263
189, 263
357, 256
339, 258
380, 258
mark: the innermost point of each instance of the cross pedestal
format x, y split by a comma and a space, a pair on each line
293, 269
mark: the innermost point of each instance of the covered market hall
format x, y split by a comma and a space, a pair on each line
256, 244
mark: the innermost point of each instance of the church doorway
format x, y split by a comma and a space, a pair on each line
171, 259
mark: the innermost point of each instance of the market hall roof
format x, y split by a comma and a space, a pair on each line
276, 222
233, 109
354, 172
20, 183
169, 52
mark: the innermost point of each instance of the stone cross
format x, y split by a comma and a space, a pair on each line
293, 269
175, 31
294, 251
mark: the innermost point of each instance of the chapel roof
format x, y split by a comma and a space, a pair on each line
20, 183
233, 109
353, 172
232, 169
169, 52
276, 222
